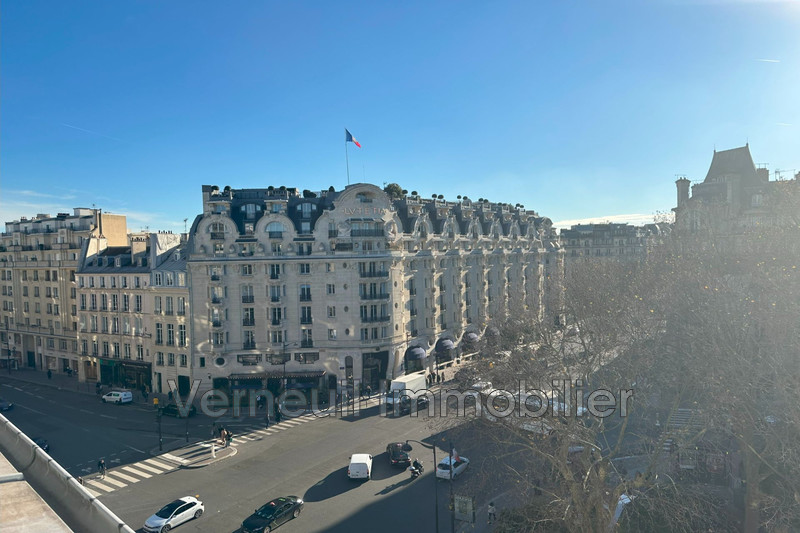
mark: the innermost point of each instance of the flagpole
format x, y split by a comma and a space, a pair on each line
347, 159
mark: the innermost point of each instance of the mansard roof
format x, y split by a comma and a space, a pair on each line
733, 162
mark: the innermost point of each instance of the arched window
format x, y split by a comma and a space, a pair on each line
275, 230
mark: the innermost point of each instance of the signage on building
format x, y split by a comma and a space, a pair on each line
364, 211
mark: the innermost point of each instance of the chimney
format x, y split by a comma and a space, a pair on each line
763, 174
683, 191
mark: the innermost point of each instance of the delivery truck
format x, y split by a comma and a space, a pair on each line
409, 387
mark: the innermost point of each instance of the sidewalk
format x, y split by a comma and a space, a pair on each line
193, 455
501, 501
62, 381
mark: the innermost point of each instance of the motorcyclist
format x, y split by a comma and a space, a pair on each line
417, 465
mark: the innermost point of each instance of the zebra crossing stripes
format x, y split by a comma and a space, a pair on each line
123, 476
141, 473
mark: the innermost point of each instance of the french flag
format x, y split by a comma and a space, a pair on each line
348, 138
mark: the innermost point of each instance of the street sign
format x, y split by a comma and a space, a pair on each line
464, 508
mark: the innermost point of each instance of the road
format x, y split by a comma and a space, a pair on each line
81, 429
308, 460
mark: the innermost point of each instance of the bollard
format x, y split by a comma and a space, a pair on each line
214, 450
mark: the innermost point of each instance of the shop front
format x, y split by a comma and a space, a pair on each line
374, 367
415, 359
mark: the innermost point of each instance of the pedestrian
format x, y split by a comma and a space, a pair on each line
267, 419
169, 396
228, 438
49, 374
278, 415
98, 388
101, 468
369, 391
492, 512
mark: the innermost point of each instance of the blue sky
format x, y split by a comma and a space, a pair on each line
575, 109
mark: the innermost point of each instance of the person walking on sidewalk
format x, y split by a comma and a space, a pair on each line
369, 391
492, 513
49, 374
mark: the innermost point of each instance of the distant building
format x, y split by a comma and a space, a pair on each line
38, 261
337, 289
609, 241
734, 196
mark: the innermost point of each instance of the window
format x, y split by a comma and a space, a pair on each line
328, 267
202, 362
169, 279
116, 350
170, 334
182, 335
138, 303
160, 358
305, 268
136, 282
127, 353
306, 358
159, 333
305, 315
183, 359
102, 281
170, 359
274, 271
139, 352
306, 338
168, 305
332, 334
114, 302
247, 270
276, 316
331, 311
181, 279
181, 305
126, 302
330, 288
305, 293
157, 305
124, 282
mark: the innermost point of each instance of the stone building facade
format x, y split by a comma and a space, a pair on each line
341, 289
38, 262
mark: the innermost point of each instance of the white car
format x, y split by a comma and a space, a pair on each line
118, 397
443, 468
174, 514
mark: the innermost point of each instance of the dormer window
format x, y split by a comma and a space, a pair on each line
118, 262
364, 198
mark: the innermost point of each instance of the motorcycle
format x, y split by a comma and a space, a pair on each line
416, 471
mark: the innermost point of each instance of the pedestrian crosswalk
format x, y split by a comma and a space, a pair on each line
123, 476
126, 475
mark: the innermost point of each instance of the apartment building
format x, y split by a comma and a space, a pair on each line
128, 331
337, 289
38, 262
619, 242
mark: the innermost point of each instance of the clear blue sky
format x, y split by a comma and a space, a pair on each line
574, 109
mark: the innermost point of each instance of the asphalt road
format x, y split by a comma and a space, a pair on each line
310, 461
81, 430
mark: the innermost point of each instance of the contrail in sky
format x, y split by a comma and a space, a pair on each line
769, 60
90, 131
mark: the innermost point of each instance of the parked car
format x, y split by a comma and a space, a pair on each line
5, 405
172, 410
42, 443
406, 403
174, 514
360, 466
443, 468
273, 514
118, 397
397, 455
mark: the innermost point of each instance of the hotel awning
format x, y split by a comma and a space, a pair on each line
415, 352
471, 337
444, 344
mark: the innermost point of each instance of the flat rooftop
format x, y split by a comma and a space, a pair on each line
22, 510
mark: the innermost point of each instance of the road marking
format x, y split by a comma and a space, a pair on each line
108, 416
159, 464
126, 477
175, 458
139, 473
97, 484
40, 397
93, 493
134, 449
113, 481
150, 468
29, 409
87, 412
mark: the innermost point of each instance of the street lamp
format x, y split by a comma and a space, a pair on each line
407, 447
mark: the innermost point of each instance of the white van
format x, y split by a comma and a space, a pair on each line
118, 396
360, 466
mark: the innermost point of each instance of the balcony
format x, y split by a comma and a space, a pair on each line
274, 276
306, 320
275, 299
374, 319
276, 235
412, 291
305, 297
374, 274
248, 321
367, 233
217, 236
216, 323
216, 299
216, 277
249, 345
332, 234
307, 343
276, 322
374, 296
248, 298
413, 312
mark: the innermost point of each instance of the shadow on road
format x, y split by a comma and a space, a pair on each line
334, 484
393, 486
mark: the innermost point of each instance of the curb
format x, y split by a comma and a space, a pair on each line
196, 465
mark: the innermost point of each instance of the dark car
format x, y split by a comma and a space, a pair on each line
42, 443
397, 455
5, 405
406, 403
172, 410
272, 514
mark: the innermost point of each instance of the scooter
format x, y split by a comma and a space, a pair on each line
416, 472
